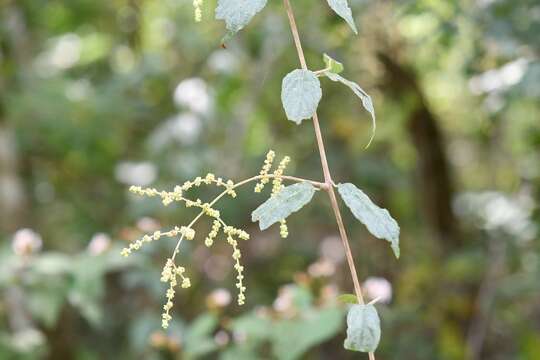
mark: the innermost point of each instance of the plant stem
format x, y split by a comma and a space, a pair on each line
325, 167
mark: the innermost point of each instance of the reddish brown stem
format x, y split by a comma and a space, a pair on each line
326, 168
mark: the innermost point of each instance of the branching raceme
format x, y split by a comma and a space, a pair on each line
300, 94
171, 271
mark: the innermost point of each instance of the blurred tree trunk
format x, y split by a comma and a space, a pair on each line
435, 180
434, 172
12, 46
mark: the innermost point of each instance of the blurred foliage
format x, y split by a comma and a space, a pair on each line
97, 95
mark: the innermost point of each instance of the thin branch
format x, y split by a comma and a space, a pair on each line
325, 167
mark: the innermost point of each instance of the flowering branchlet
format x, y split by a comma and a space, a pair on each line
209, 241
197, 10
137, 244
283, 229
277, 183
265, 170
169, 274
173, 274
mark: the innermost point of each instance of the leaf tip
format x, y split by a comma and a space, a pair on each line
396, 250
370, 139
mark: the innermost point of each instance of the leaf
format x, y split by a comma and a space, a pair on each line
238, 13
46, 299
334, 66
341, 7
198, 339
366, 99
300, 95
378, 221
363, 329
348, 299
88, 287
292, 338
291, 199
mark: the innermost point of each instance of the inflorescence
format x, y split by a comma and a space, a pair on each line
277, 182
197, 4
172, 273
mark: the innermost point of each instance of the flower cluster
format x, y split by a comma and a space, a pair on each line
167, 197
197, 7
265, 170
169, 274
187, 232
209, 241
283, 229
236, 255
173, 274
137, 244
277, 182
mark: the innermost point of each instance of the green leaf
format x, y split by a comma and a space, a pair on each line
202, 326
292, 338
289, 200
363, 329
46, 299
300, 95
52, 263
348, 299
378, 221
88, 287
358, 91
341, 7
238, 13
334, 66
253, 326
198, 339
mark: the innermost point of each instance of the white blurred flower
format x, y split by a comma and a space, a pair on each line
378, 287
26, 242
184, 128
284, 303
499, 79
223, 61
99, 243
63, 53
322, 268
27, 339
219, 298
193, 93
494, 211
221, 338
136, 173
332, 249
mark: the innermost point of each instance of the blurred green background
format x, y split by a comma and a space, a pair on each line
98, 95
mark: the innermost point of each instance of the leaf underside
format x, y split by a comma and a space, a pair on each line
300, 95
363, 329
341, 7
377, 220
238, 13
278, 207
